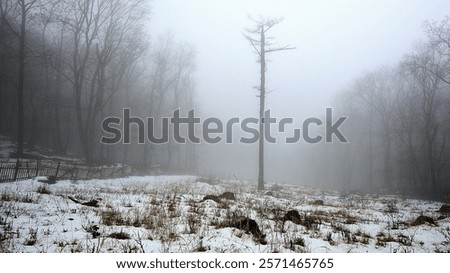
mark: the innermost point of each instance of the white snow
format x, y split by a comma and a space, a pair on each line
165, 214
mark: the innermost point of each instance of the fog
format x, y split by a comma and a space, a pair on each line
336, 42
70, 70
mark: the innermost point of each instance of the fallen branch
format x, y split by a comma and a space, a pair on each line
92, 203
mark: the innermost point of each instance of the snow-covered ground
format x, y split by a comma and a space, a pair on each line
168, 214
8, 149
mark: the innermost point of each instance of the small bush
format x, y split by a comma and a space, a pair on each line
5, 197
193, 223
113, 217
318, 202
26, 198
391, 206
299, 241
32, 237
43, 189
121, 235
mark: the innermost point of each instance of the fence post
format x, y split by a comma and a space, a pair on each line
28, 169
37, 167
16, 171
88, 171
57, 170
74, 172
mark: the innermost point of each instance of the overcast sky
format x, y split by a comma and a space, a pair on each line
336, 41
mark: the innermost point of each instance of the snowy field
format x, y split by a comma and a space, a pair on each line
190, 214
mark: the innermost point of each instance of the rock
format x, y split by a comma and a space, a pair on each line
48, 180
293, 216
421, 220
227, 195
92, 203
445, 209
299, 241
211, 197
250, 225
318, 202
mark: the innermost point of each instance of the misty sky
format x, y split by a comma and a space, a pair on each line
336, 42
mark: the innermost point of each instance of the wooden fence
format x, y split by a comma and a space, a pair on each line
23, 169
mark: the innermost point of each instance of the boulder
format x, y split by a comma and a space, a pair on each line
421, 220
445, 209
293, 216
250, 225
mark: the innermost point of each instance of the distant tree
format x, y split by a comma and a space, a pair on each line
168, 87
105, 41
262, 44
9, 10
439, 41
425, 65
376, 92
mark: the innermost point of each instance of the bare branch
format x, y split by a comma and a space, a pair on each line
253, 43
279, 49
5, 11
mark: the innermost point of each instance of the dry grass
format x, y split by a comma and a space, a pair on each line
178, 218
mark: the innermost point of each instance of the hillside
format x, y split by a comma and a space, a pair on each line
189, 214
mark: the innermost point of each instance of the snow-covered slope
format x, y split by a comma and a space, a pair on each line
8, 149
168, 214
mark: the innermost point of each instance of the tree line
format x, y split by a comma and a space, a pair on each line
65, 65
399, 124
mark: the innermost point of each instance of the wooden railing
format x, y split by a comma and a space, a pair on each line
22, 169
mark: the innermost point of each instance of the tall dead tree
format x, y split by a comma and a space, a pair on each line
257, 36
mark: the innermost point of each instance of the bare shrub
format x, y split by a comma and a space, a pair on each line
121, 235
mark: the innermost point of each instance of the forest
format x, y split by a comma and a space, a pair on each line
66, 65
400, 122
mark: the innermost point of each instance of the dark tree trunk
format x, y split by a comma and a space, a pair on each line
262, 98
20, 89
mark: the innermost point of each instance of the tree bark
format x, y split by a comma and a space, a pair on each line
262, 101
20, 88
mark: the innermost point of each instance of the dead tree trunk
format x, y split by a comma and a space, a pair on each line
262, 25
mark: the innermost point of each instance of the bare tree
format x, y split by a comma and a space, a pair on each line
101, 32
262, 44
424, 67
376, 91
183, 67
22, 8
439, 41
85, 60
160, 82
